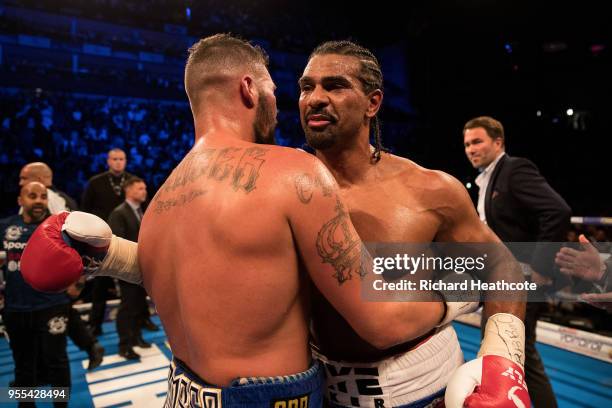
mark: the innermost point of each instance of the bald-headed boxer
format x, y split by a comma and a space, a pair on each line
392, 199
229, 242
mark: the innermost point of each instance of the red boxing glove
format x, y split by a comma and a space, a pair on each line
51, 261
493, 380
502, 384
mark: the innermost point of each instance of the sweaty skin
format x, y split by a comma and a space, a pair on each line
223, 249
398, 201
236, 307
393, 200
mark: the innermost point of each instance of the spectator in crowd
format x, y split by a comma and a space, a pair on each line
41, 172
103, 193
58, 202
124, 221
36, 322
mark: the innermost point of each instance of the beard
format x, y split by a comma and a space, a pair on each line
265, 122
320, 140
324, 138
36, 213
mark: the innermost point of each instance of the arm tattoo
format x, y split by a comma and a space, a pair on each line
306, 183
339, 248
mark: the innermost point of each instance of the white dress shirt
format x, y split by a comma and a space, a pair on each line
482, 181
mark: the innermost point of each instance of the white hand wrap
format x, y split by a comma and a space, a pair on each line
457, 301
504, 336
121, 261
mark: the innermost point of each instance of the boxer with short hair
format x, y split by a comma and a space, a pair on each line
391, 199
229, 244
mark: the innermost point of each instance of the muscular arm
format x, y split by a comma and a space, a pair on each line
339, 264
461, 224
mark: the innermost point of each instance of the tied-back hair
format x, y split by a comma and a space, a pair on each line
370, 75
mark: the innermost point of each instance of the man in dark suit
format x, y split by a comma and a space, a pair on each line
517, 203
124, 220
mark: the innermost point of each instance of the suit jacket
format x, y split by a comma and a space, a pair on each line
124, 223
521, 206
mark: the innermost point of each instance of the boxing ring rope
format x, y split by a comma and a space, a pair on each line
601, 221
566, 338
582, 342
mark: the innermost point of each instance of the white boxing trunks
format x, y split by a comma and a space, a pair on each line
416, 378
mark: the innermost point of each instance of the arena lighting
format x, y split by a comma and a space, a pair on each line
569, 112
538, 113
468, 185
596, 49
508, 48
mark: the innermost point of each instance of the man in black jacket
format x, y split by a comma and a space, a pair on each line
519, 205
102, 194
125, 223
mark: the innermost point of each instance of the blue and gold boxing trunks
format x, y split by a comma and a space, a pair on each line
302, 390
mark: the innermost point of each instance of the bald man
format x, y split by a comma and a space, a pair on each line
41, 172
59, 201
35, 321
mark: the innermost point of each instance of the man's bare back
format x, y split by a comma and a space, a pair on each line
242, 291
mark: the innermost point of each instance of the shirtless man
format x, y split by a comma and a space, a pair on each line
228, 244
391, 199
